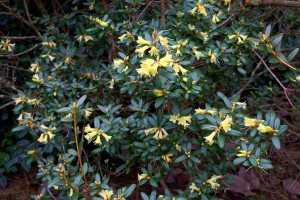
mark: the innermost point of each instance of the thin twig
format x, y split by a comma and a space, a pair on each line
274, 76
142, 13
162, 10
27, 11
7, 104
18, 37
21, 53
249, 81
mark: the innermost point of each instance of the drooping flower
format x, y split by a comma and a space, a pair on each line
6, 45
160, 133
178, 68
167, 158
35, 68
143, 176
141, 50
194, 188
142, 41
88, 111
106, 194
148, 68
36, 79
47, 135
94, 132
204, 111
267, 129
86, 38
153, 51
213, 181
166, 60
250, 122
244, 153
184, 120
226, 124
209, 138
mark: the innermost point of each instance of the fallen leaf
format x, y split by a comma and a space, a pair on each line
291, 186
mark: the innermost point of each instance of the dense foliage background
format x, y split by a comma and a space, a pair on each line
113, 98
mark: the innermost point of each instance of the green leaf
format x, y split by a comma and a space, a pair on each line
81, 100
72, 152
268, 30
159, 101
18, 128
221, 140
252, 160
64, 109
276, 142
225, 99
277, 39
144, 196
238, 161
129, 190
85, 167
180, 159
53, 181
293, 54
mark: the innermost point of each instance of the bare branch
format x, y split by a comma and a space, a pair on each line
274, 76
284, 3
21, 53
18, 37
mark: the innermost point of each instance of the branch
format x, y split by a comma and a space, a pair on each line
21, 53
285, 3
274, 76
7, 104
21, 18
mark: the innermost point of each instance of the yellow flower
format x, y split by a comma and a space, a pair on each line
141, 51
106, 194
266, 129
167, 158
122, 37
94, 132
193, 188
36, 79
35, 68
160, 133
48, 56
71, 192
118, 63
191, 27
31, 152
142, 41
46, 135
148, 68
88, 112
298, 78
213, 57
180, 14
22, 99
6, 45
204, 35
86, 38
184, 121
159, 93
143, 176
68, 115
153, 51
215, 18
198, 54
244, 153
226, 124
166, 60
193, 11
209, 138
178, 147
49, 44
101, 23
111, 84
226, 2
213, 181
204, 111
250, 122
163, 41
178, 68
201, 10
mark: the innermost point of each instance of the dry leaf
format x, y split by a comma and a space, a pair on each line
291, 186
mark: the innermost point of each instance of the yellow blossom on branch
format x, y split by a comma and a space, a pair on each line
184, 120
204, 111
226, 124
160, 133
267, 129
167, 158
142, 50
244, 153
142, 41
5, 45
194, 188
143, 176
36, 79
250, 122
213, 181
106, 194
94, 132
210, 138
